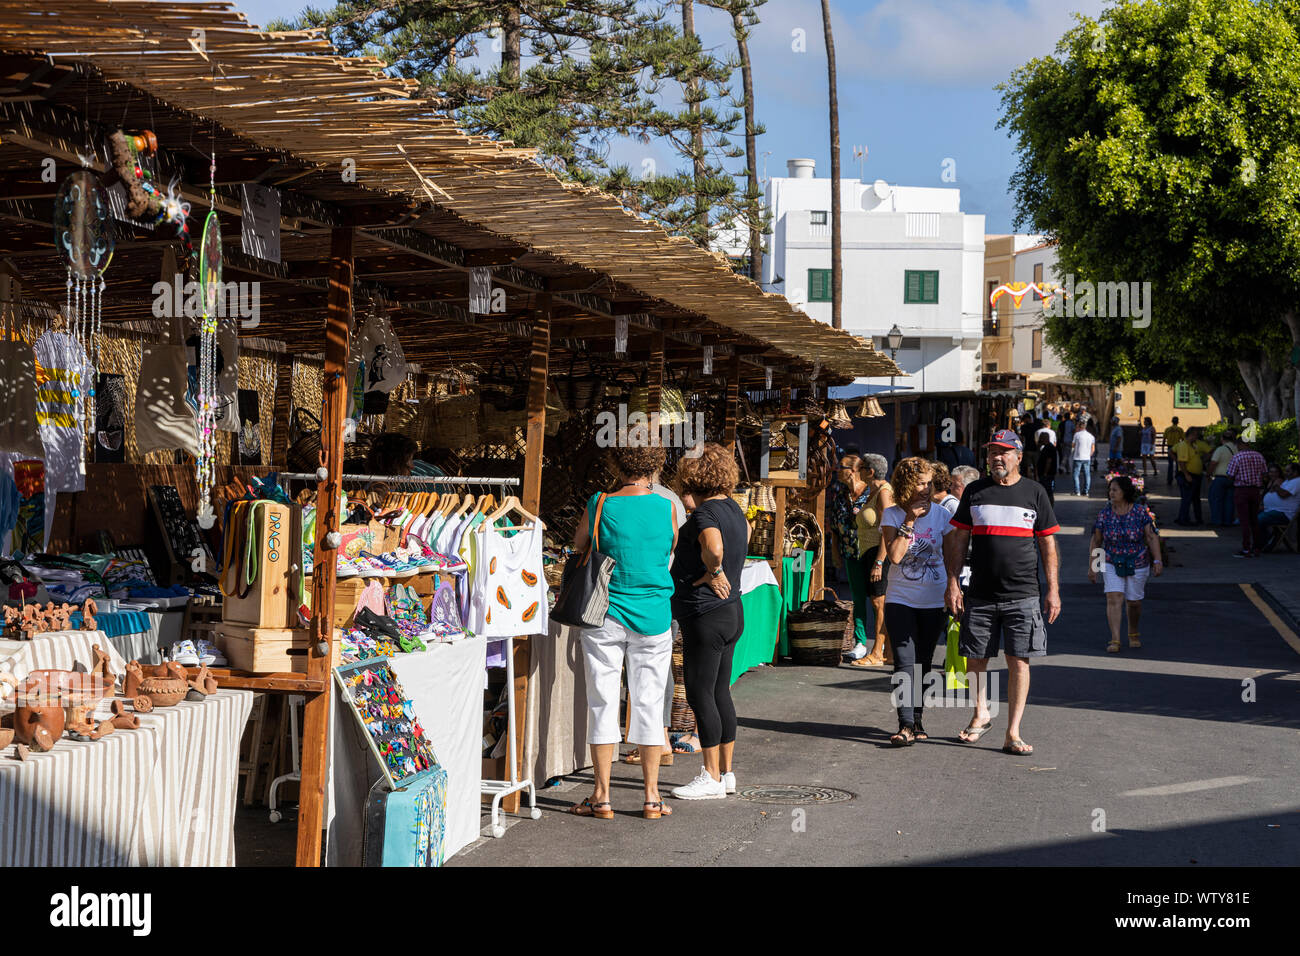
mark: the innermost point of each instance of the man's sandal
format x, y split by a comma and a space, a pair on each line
654, 809
601, 811
904, 738
1017, 748
974, 731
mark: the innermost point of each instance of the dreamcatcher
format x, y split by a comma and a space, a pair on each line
84, 236
210, 291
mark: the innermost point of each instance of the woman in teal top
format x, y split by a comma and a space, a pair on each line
638, 530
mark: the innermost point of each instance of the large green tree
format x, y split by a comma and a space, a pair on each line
569, 78
1161, 143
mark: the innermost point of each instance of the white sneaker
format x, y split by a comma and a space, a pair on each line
729, 779
210, 654
185, 654
859, 651
702, 787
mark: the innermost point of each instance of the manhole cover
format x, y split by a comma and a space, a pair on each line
793, 793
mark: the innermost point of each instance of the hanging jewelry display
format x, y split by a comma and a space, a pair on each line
83, 233
210, 291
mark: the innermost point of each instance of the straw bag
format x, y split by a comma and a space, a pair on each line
819, 629
304, 450
764, 497
452, 420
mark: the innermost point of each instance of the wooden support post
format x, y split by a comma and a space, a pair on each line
655, 379
732, 410
778, 551
531, 499
819, 569
316, 714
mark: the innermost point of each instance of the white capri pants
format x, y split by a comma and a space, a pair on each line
1133, 587
649, 667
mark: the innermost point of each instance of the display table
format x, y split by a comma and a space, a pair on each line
445, 683
162, 795
760, 596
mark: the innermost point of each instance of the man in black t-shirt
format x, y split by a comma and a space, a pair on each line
1009, 522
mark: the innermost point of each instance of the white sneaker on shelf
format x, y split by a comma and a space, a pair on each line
185, 654
702, 787
210, 654
729, 778
859, 651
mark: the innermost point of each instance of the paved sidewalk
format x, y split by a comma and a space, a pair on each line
1184, 752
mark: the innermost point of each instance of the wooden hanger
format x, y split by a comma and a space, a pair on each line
511, 503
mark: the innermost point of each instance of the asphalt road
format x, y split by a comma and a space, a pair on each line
1186, 752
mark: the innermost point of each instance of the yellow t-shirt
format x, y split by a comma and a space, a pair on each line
1173, 435
1189, 455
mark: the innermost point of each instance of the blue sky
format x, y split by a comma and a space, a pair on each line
916, 82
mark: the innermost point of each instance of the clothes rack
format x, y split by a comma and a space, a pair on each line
407, 479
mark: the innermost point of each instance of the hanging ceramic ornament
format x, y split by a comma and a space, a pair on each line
83, 233
210, 293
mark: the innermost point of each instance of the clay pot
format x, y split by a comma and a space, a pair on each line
39, 727
163, 691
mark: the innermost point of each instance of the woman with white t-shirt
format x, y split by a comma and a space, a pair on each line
913, 533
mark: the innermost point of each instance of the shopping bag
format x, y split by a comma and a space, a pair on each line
583, 599
954, 665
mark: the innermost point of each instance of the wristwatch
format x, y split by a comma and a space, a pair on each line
717, 572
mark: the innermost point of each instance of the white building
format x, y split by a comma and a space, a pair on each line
911, 258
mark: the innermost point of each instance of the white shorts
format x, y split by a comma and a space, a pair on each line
649, 667
1133, 587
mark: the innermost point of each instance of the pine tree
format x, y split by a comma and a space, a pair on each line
572, 78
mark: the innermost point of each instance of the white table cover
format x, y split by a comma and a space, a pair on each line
445, 683
162, 795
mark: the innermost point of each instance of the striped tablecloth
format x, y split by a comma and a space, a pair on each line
163, 795
59, 650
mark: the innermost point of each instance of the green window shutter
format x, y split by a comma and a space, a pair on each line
819, 285
920, 286
930, 287
912, 289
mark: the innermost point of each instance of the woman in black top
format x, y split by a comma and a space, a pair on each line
707, 564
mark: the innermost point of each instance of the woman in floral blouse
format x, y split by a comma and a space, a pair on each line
1126, 538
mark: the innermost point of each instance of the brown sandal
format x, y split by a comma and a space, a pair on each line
634, 758
589, 809
653, 810
904, 738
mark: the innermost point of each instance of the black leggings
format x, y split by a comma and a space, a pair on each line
914, 632
708, 644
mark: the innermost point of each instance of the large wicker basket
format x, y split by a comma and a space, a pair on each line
762, 540
452, 421
817, 630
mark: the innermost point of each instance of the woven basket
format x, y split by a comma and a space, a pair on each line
764, 497
802, 531
683, 718
498, 425
553, 573
817, 630
451, 420
762, 540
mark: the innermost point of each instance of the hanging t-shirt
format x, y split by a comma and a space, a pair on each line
61, 369
919, 579
507, 591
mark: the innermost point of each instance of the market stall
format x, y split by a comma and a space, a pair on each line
604, 309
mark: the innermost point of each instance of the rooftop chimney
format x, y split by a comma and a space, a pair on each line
801, 168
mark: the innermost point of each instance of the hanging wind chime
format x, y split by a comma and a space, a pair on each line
210, 291
84, 236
